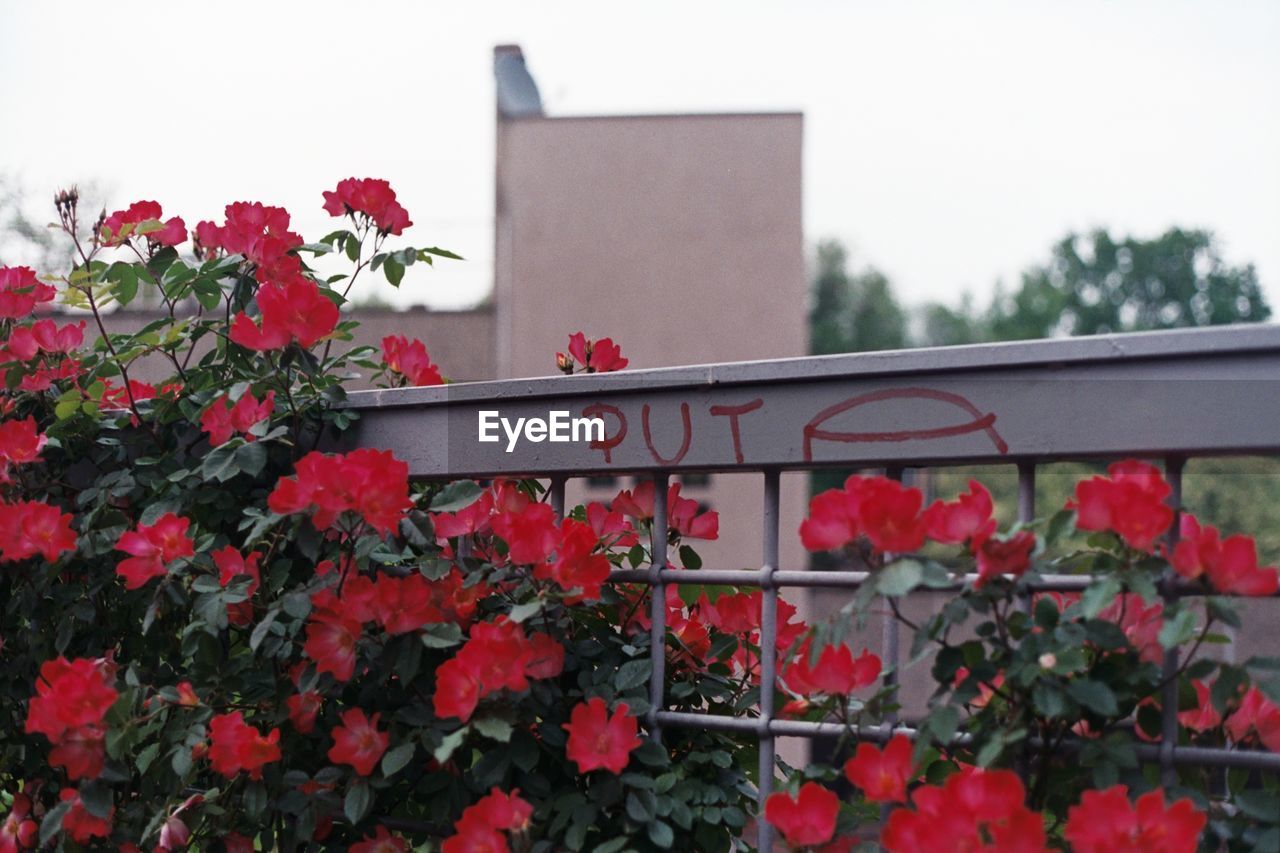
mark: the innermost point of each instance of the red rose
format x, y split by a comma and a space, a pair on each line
882, 774
1106, 820
807, 819
235, 746
598, 741
358, 742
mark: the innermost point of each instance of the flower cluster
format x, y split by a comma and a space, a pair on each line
21, 291
236, 746
1230, 564
1130, 501
371, 484
291, 311
72, 699
497, 656
483, 824
411, 360
370, 198
598, 356
223, 419
153, 547
143, 219
890, 516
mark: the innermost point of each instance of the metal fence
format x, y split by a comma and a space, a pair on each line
1168, 396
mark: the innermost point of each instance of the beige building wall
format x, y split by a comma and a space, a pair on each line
680, 237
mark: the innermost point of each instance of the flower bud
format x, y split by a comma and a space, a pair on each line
1048, 660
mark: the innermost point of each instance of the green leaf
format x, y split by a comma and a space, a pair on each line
1178, 630
356, 804
395, 759
522, 612
261, 630
438, 252
1098, 595
449, 744
96, 797
1095, 696
459, 494
493, 728
393, 270
51, 823
690, 559
661, 834
633, 673
899, 578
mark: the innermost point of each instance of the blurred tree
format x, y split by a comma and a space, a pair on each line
852, 313
944, 326
24, 241
1095, 284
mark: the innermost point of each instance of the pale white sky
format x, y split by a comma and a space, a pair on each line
949, 144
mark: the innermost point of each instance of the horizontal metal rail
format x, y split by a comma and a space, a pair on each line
1167, 395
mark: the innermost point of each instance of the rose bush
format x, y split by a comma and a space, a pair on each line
1061, 686
217, 631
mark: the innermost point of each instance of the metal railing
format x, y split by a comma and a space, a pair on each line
1167, 395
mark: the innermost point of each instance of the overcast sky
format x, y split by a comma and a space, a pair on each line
947, 144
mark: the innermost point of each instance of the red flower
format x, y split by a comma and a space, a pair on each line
292, 310
598, 741
602, 356
546, 657
966, 518
235, 745
331, 642
143, 218
883, 510
234, 842
259, 232
369, 197
684, 519
187, 696
358, 742
807, 819
610, 527
153, 546
54, 339
72, 699
18, 832
530, 533
1140, 622
303, 708
955, 815
457, 689
682, 513
1231, 564
479, 827
372, 483
28, 528
231, 564
837, 672
882, 775
411, 360
1010, 556
577, 565
1257, 716
223, 420
466, 521
21, 291
381, 841
20, 443
78, 823
1130, 502
498, 652
1105, 821
1204, 716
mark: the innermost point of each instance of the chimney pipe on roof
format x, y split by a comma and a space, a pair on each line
517, 92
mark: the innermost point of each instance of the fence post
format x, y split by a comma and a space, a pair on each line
768, 651
658, 606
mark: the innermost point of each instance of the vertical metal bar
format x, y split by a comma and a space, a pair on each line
556, 490
1026, 513
1169, 699
1026, 491
658, 606
889, 643
768, 650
